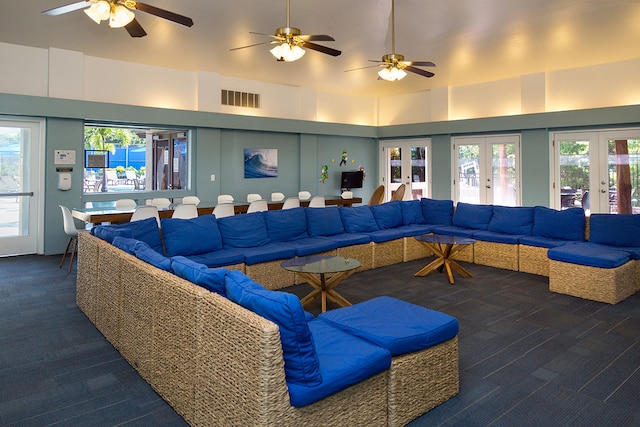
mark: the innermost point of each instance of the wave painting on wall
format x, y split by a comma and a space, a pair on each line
260, 162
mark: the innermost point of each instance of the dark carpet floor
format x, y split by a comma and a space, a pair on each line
528, 357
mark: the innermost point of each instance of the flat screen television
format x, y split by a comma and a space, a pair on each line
351, 179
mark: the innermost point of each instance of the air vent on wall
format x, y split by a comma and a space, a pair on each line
240, 99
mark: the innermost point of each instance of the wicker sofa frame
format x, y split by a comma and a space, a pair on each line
217, 363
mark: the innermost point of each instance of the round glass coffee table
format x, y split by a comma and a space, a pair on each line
444, 247
314, 269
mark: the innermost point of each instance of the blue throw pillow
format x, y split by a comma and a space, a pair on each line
284, 225
358, 220
412, 212
615, 230
512, 220
468, 215
284, 309
387, 215
126, 244
209, 278
243, 231
191, 236
147, 254
145, 230
568, 224
109, 232
324, 222
437, 212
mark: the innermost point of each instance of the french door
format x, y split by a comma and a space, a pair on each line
20, 181
597, 170
407, 162
487, 170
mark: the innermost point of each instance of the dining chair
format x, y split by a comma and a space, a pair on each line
377, 197
277, 197
304, 195
191, 200
399, 193
185, 211
225, 198
258, 206
223, 210
291, 202
125, 204
317, 202
71, 231
160, 202
252, 197
144, 212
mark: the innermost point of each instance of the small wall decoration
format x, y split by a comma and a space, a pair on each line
260, 162
324, 173
344, 158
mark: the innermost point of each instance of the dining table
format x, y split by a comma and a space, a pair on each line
101, 214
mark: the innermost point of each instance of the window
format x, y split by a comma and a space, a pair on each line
407, 162
123, 159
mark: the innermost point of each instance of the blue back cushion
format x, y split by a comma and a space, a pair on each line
324, 222
468, 215
209, 278
285, 310
191, 236
387, 215
358, 220
512, 220
615, 230
567, 224
243, 231
145, 230
412, 212
147, 254
286, 224
437, 212
127, 244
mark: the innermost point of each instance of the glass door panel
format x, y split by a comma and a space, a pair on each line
504, 174
468, 182
406, 162
623, 176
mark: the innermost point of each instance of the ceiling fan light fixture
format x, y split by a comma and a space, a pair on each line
120, 17
99, 11
391, 74
287, 52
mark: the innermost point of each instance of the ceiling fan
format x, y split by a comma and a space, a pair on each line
119, 14
395, 67
290, 40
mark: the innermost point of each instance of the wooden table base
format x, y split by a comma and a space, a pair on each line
324, 288
444, 252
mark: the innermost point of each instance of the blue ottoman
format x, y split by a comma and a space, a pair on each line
423, 343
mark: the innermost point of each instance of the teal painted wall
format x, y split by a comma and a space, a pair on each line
535, 178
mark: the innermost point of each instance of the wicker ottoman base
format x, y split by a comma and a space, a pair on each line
362, 253
533, 260
414, 250
420, 381
388, 253
610, 285
465, 254
499, 255
270, 275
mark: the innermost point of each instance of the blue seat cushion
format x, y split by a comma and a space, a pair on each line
543, 242
491, 236
209, 278
567, 224
452, 230
615, 230
388, 215
286, 224
344, 360
243, 231
512, 220
381, 236
127, 244
324, 222
633, 251
312, 245
149, 255
285, 310
268, 252
358, 220
437, 212
416, 229
145, 230
219, 258
585, 254
349, 239
468, 215
191, 236
412, 212
396, 325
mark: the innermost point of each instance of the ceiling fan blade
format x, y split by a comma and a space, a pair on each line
180, 19
252, 45
420, 63
423, 73
317, 38
323, 49
135, 29
363, 68
68, 8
